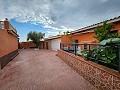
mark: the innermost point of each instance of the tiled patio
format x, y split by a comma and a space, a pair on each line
40, 70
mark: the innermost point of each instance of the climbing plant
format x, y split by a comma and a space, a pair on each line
107, 53
104, 32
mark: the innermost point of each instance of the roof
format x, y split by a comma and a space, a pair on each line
53, 37
13, 33
87, 28
97, 24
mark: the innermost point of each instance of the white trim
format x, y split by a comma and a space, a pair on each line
54, 37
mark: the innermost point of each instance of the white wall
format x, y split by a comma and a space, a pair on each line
55, 44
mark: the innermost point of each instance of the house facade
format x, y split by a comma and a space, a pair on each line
86, 35
8, 42
52, 43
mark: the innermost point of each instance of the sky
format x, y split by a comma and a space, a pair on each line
56, 16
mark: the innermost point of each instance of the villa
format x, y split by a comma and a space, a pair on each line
86, 35
82, 36
46, 69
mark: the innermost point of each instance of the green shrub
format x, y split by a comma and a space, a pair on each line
85, 54
107, 55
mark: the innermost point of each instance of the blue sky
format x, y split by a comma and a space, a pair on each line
53, 16
24, 28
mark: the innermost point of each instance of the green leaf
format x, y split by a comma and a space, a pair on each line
111, 56
35, 37
110, 40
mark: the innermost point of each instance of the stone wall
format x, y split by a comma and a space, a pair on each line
101, 77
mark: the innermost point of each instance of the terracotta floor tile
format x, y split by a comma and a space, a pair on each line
40, 70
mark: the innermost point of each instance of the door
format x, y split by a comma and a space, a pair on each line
55, 44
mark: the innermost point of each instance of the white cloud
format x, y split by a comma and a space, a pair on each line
103, 1
62, 28
51, 33
60, 14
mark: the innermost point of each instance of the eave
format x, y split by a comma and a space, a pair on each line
12, 33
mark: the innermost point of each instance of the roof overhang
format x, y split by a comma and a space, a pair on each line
52, 38
13, 33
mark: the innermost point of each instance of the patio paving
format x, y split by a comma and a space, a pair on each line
41, 70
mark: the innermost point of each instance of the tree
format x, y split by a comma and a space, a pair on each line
35, 37
103, 32
67, 33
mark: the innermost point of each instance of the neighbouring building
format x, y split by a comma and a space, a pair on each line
52, 43
86, 35
8, 42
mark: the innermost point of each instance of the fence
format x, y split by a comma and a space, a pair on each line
96, 53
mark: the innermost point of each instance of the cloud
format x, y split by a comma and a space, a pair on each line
51, 33
60, 14
103, 1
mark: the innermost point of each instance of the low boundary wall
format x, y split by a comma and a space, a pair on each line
4, 60
101, 77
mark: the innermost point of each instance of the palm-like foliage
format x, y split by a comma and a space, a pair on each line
35, 37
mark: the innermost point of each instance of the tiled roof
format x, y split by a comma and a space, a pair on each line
97, 24
53, 37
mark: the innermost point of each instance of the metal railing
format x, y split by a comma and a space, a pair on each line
77, 49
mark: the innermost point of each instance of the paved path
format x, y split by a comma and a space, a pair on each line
40, 70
